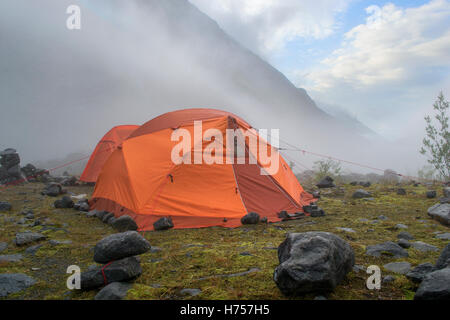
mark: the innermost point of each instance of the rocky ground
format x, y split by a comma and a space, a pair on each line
218, 263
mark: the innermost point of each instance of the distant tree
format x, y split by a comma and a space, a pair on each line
427, 173
436, 144
327, 168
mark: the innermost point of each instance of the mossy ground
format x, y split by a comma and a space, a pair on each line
188, 255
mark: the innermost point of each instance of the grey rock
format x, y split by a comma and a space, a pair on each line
435, 286
113, 291
250, 218
398, 267
401, 191
326, 182
5, 206
120, 245
401, 226
52, 190
190, 292
441, 213
350, 230
125, 223
312, 262
14, 282
382, 217
92, 213
431, 194
365, 184
163, 224
363, 220
361, 193
405, 235
357, 268
3, 246
423, 247
107, 217
33, 249
446, 192
388, 279
118, 271
320, 298
101, 214
59, 242
388, 248
443, 236
82, 205
444, 259
64, 203
11, 258
24, 238
404, 243
418, 273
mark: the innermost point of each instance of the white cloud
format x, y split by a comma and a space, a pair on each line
389, 68
264, 26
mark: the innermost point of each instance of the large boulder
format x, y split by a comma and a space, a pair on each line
423, 247
124, 223
361, 193
435, 286
117, 271
312, 262
444, 259
441, 213
250, 218
24, 238
120, 245
388, 248
418, 273
14, 282
326, 182
163, 224
113, 291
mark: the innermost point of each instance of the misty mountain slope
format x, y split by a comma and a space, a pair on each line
61, 90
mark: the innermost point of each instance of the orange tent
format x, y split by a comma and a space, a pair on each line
104, 149
140, 178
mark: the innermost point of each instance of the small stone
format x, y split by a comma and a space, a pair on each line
404, 243
14, 282
124, 223
388, 279
388, 248
320, 298
350, 230
443, 236
190, 292
250, 218
398, 267
401, 191
5, 206
163, 224
431, 194
24, 238
401, 226
405, 235
59, 242
423, 247
113, 291
3, 246
33, 249
382, 217
361, 193
11, 258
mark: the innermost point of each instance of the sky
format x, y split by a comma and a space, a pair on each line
382, 62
